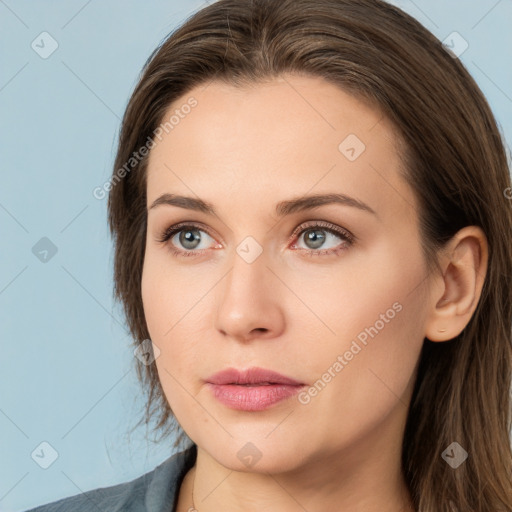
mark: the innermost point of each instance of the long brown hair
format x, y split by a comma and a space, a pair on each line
455, 163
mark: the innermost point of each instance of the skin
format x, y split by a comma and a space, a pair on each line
244, 150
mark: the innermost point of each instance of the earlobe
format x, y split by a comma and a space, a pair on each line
464, 266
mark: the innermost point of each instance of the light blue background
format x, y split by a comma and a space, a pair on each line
66, 370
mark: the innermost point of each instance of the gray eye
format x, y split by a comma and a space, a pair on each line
189, 238
314, 238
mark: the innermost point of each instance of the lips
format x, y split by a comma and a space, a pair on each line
254, 389
252, 376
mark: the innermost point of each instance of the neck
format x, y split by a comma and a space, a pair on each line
365, 477
235, 491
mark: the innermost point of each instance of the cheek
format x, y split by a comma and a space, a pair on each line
184, 352
176, 311
171, 307
377, 312
170, 294
368, 295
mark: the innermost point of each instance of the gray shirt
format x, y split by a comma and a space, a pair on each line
155, 491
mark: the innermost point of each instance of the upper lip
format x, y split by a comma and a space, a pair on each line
253, 375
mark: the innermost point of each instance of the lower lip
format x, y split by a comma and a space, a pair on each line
252, 398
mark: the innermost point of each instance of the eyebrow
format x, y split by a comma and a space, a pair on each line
282, 208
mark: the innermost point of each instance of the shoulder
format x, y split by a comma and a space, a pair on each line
154, 491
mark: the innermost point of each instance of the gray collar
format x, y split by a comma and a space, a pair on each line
163, 489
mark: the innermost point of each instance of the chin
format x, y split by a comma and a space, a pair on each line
255, 454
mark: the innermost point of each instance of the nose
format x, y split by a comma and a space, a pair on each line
249, 302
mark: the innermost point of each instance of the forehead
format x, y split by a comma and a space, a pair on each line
266, 142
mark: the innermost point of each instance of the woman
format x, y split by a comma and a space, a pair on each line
313, 248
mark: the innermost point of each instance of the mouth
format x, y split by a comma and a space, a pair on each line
250, 377
257, 384
254, 389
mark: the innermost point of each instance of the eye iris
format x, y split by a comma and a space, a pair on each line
312, 236
190, 236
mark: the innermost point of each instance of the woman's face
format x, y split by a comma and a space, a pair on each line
330, 294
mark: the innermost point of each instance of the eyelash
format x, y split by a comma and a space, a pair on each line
327, 226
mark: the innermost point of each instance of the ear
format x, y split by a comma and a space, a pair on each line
455, 294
